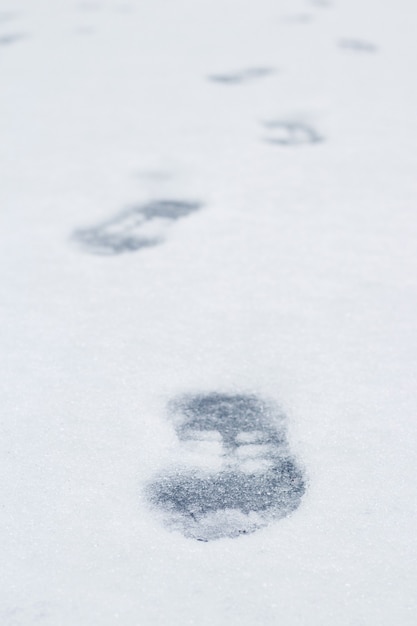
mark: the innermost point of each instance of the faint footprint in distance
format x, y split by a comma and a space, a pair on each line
291, 133
234, 78
234, 473
134, 228
7, 40
357, 45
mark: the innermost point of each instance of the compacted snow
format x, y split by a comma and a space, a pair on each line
208, 312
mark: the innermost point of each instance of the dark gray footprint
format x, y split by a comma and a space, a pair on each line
134, 228
234, 472
291, 133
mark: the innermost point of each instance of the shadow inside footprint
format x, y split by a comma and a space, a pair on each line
289, 133
257, 479
134, 228
235, 78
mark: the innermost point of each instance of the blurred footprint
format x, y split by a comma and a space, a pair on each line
291, 133
357, 45
234, 78
7, 40
138, 227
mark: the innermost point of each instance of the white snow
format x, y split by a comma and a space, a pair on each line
295, 281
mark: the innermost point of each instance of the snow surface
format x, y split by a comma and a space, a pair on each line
295, 281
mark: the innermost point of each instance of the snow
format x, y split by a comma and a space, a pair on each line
295, 281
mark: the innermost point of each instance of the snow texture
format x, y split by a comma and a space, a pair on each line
208, 312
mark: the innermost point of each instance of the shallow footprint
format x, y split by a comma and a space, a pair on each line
236, 473
7, 40
234, 78
357, 45
134, 228
291, 133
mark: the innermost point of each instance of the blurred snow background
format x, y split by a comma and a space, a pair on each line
296, 280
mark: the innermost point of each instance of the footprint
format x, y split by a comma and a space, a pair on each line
235, 78
357, 45
235, 472
7, 40
291, 133
135, 228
